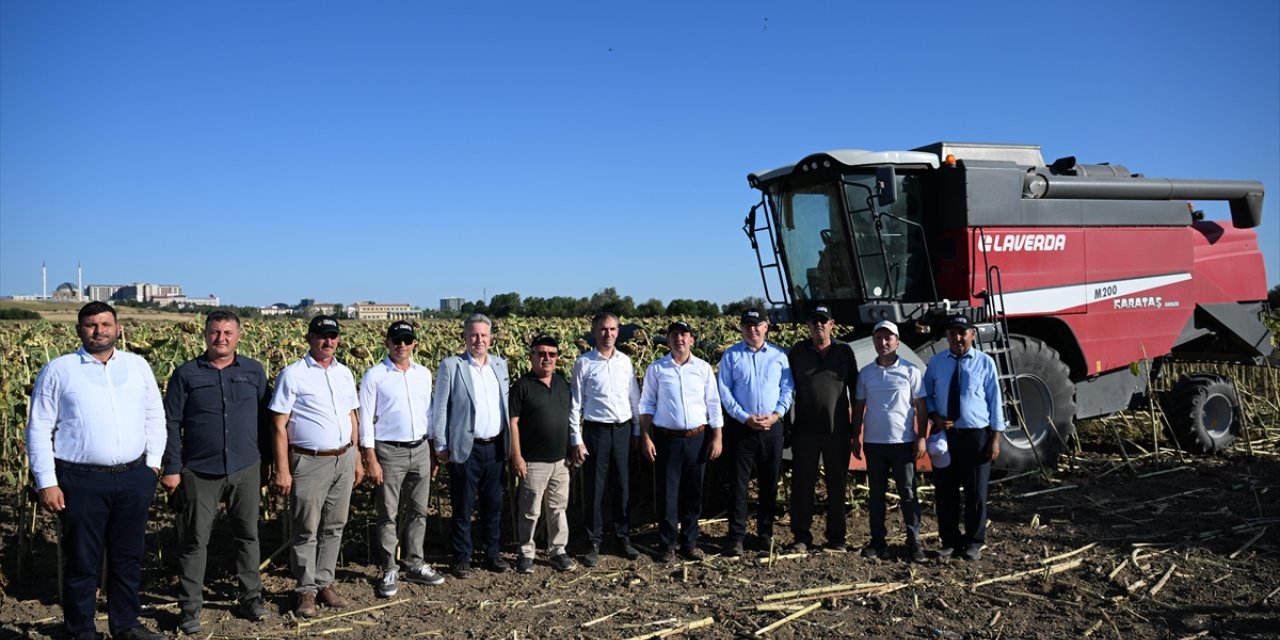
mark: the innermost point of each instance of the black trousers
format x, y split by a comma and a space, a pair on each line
106, 512
897, 460
746, 449
479, 479
609, 454
679, 464
807, 445
969, 471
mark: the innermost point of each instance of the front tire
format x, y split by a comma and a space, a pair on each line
1047, 411
1204, 413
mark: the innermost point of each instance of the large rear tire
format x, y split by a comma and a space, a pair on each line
1047, 411
1204, 413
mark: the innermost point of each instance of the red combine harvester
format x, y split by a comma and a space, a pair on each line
1082, 278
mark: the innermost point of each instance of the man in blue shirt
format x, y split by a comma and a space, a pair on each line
964, 399
755, 392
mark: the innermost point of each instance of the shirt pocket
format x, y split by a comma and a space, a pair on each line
244, 387
203, 392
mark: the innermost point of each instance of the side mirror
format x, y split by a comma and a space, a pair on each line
886, 185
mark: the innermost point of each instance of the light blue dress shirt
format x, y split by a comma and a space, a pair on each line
980, 405
755, 383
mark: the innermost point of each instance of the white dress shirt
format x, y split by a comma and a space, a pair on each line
485, 400
88, 412
681, 397
395, 404
603, 390
319, 402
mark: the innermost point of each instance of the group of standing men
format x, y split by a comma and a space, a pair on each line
100, 437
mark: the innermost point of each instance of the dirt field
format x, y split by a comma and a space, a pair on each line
1168, 549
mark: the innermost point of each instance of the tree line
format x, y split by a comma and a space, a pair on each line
512, 304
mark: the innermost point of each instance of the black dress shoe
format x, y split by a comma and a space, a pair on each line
252, 610
626, 550
139, 633
496, 564
591, 558
461, 569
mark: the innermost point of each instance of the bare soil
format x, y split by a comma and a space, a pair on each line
1165, 549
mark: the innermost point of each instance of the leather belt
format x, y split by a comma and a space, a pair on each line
484, 440
322, 453
681, 433
606, 425
403, 445
100, 468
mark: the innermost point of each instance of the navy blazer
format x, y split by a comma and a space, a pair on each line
452, 416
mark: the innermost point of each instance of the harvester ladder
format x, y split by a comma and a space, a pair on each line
993, 313
999, 347
751, 227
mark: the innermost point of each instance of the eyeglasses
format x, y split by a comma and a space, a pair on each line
551, 355
403, 341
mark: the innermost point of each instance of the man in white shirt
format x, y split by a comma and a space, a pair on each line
678, 403
606, 399
95, 439
890, 402
469, 420
395, 400
315, 426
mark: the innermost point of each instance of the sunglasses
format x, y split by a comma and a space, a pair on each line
403, 340
547, 354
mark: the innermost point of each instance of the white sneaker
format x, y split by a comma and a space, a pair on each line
387, 587
424, 575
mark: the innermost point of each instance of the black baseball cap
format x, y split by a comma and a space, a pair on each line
959, 322
399, 329
323, 325
679, 326
821, 312
753, 316
545, 341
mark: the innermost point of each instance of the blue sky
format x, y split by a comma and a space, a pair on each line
408, 151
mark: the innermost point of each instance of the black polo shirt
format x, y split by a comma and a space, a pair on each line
544, 417
825, 384
215, 416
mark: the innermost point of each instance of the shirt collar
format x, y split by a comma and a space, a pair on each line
311, 362
391, 365
85, 356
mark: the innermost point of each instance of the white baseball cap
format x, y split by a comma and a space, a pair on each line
886, 324
937, 447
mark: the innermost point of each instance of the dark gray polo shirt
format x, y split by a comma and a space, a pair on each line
825, 385
215, 416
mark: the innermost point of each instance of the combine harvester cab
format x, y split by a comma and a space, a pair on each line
1082, 278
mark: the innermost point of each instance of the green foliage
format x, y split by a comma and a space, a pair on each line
18, 314
1273, 298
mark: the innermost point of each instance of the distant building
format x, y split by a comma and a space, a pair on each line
451, 305
275, 311
102, 292
320, 308
375, 311
66, 292
183, 302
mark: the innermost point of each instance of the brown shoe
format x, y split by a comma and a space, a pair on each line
306, 605
329, 597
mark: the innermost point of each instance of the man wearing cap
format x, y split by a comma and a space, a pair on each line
963, 392
889, 403
469, 431
540, 440
756, 391
678, 403
395, 401
95, 438
824, 370
315, 421
606, 400
215, 404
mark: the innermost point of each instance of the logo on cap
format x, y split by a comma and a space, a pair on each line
752, 316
